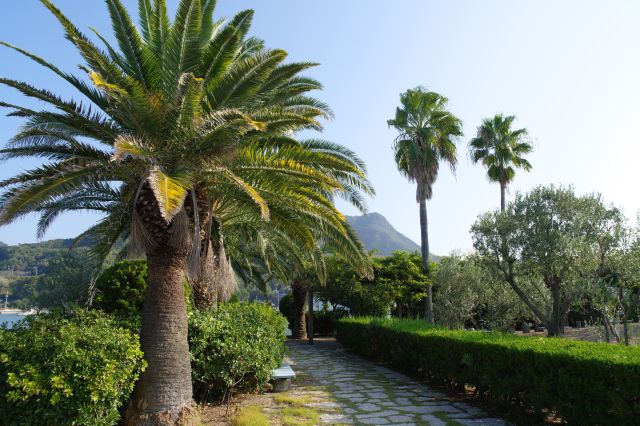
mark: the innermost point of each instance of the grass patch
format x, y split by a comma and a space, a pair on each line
287, 398
300, 416
250, 416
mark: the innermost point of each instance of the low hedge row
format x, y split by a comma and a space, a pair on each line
582, 382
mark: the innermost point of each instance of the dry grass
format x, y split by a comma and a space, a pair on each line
250, 416
300, 416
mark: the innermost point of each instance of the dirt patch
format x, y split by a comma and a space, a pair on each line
221, 414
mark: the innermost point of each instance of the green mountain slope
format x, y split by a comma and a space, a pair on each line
26, 258
377, 233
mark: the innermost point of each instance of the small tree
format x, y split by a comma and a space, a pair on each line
535, 246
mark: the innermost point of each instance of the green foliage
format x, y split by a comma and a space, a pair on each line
500, 148
584, 383
120, 289
286, 308
26, 257
404, 275
427, 136
547, 246
65, 284
466, 294
362, 296
399, 280
76, 369
234, 347
324, 321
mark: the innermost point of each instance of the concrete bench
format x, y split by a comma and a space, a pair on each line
281, 378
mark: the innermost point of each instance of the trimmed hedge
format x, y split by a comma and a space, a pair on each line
73, 369
584, 383
234, 347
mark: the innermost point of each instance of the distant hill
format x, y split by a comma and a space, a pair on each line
377, 233
26, 257
374, 230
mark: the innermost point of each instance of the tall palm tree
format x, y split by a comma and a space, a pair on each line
500, 149
180, 117
427, 136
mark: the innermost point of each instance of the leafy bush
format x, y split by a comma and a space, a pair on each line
324, 322
235, 347
286, 308
77, 368
120, 289
585, 383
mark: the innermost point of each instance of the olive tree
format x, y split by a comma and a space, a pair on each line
614, 263
467, 293
536, 246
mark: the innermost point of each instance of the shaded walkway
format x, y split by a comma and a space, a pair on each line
366, 393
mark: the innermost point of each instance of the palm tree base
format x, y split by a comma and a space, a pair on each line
187, 415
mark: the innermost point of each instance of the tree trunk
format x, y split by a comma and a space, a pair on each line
311, 331
503, 188
605, 324
625, 317
163, 395
557, 320
299, 323
610, 329
424, 240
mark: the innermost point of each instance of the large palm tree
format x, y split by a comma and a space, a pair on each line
180, 118
501, 150
427, 135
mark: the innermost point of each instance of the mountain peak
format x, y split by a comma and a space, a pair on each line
377, 233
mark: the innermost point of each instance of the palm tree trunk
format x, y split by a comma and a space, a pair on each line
299, 322
503, 188
163, 395
424, 240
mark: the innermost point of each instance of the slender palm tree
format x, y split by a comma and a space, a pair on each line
427, 136
180, 117
501, 150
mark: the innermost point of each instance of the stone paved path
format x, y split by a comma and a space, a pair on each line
367, 394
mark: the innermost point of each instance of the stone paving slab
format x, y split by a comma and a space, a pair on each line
369, 394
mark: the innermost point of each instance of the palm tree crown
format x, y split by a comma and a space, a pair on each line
183, 109
427, 133
187, 129
501, 149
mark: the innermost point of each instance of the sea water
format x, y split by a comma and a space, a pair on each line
9, 319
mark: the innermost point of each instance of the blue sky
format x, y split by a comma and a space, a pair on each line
569, 70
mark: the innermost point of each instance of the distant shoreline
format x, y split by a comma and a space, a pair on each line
17, 312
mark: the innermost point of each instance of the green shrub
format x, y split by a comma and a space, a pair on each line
234, 347
324, 322
77, 368
286, 308
120, 289
585, 383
